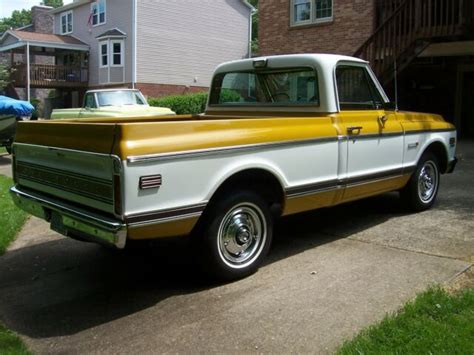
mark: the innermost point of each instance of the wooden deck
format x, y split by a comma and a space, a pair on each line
51, 76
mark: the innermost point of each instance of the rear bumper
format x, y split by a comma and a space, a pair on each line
70, 220
451, 165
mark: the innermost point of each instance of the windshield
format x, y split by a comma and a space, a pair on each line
119, 98
293, 86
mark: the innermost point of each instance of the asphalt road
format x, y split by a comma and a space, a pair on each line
329, 274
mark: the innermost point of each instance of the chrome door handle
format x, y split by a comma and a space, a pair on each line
351, 129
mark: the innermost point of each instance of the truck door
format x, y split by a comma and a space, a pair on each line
373, 137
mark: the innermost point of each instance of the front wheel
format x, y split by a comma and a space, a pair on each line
236, 235
422, 188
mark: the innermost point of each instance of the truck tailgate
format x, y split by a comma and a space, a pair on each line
83, 136
67, 161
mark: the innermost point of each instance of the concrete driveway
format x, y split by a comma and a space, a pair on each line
329, 274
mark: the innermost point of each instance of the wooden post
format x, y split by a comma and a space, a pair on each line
28, 71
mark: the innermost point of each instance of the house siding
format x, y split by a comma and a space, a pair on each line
118, 15
181, 42
353, 23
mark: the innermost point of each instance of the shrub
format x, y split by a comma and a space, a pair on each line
182, 104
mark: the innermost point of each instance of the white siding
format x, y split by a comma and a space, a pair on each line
181, 42
118, 15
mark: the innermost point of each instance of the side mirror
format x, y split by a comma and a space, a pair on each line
390, 106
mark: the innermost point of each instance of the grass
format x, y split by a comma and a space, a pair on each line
2, 150
11, 217
10, 343
11, 220
434, 323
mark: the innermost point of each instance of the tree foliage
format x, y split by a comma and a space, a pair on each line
18, 18
4, 76
254, 3
52, 3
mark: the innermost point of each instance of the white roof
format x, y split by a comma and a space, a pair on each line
290, 60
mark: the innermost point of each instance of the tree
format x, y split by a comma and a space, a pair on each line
4, 76
52, 3
19, 18
254, 3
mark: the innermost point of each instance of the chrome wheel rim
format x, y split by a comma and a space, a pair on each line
242, 235
427, 181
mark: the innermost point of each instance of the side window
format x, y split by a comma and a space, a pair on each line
356, 89
89, 101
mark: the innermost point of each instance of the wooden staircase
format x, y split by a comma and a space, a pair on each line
409, 26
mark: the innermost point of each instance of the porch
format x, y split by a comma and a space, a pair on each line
45, 61
50, 76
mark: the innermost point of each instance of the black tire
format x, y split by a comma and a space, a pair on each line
235, 235
421, 190
9, 149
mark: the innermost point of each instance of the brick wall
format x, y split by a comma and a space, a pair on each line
42, 21
353, 23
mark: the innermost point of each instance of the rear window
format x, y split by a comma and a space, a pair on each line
295, 86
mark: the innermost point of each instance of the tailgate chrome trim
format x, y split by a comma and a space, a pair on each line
76, 221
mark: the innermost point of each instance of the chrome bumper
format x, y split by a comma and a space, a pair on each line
70, 220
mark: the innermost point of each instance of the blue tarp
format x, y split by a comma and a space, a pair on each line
9, 106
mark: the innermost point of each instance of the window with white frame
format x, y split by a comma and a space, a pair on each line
116, 48
111, 53
104, 54
304, 12
66, 22
98, 12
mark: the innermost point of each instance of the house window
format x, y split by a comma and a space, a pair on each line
113, 49
304, 12
66, 22
103, 54
98, 12
117, 53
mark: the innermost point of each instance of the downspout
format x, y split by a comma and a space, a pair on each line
27, 71
252, 12
134, 46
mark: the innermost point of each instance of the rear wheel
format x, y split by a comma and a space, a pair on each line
236, 235
422, 188
8, 148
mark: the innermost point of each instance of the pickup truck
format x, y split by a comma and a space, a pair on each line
112, 103
280, 135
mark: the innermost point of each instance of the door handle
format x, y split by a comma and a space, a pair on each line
382, 120
351, 129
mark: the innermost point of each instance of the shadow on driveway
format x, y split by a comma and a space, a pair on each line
62, 287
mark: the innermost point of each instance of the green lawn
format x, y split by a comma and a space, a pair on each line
11, 220
10, 343
11, 217
2, 150
434, 323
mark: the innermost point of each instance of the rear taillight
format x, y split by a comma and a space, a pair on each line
118, 186
117, 195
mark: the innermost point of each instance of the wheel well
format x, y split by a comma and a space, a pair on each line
261, 181
438, 149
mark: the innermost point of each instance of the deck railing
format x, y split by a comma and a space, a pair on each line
410, 27
51, 76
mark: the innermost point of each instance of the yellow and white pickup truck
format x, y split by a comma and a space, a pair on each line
118, 102
280, 135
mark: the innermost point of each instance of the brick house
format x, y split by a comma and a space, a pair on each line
430, 44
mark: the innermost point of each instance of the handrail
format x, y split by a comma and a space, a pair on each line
411, 26
51, 75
